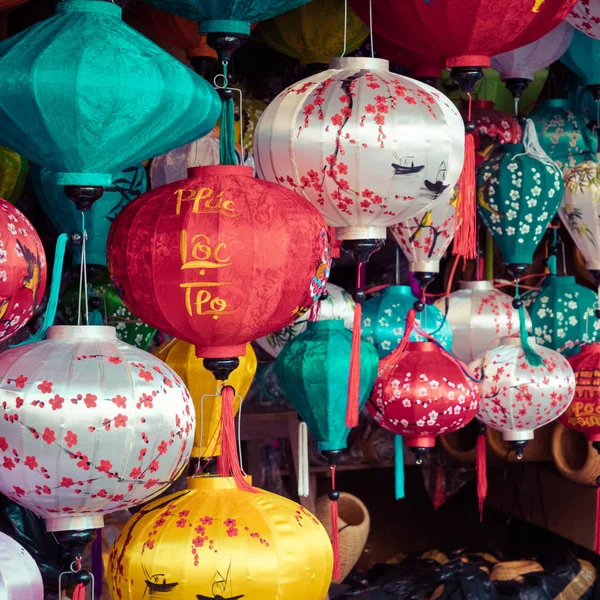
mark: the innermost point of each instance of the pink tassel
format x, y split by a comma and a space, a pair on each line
335, 534
482, 483
79, 593
597, 537
354, 377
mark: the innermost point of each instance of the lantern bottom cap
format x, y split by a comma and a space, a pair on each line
516, 435
476, 285
226, 26
221, 351
592, 265
424, 266
85, 179
74, 522
361, 233
419, 441
593, 437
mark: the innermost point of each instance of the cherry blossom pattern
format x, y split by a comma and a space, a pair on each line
585, 16
107, 429
517, 398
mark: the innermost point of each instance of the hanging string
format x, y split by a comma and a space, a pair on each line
303, 472
334, 496
239, 431
481, 467
352, 408
227, 153
83, 286
371, 28
531, 356
345, 28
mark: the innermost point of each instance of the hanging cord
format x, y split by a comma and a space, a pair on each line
227, 153
334, 496
371, 28
83, 286
352, 408
534, 149
345, 28
531, 356
303, 473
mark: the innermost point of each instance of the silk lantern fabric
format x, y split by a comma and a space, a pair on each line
181, 357
227, 16
424, 240
115, 98
517, 398
369, 148
479, 315
519, 191
562, 133
564, 312
440, 28
384, 320
523, 62
583, 414
62, 212
112, 310
312, 371
579, 210
13, 174
213, 540
585, 16
253, 256
338, 304
492, 127
20, 578
421, 393
315, 32
91, 426
22, 270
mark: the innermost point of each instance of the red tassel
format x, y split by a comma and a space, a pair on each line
354, 377
409, 327
597, 538
482, 483
228, 464
516, 131
465, 242
335, 534
79, 593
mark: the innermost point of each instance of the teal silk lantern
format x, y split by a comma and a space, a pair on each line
384, 320
583, 58
519, 190
563, 313
312, 370
562, 133
85, 95
126, 186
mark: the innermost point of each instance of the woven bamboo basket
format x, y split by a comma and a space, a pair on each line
461, 445
574, 456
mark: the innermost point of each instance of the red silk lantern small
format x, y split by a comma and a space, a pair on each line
492, 127
253, 256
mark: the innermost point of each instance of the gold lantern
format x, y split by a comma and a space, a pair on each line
181, 357
214, 540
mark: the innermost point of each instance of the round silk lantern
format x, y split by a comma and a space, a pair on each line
479, 316
519, 190
122, 99
13, 174
22, 270
562, 134
336, 303
241, 272
20, 578
362, 178
312, 370
104, 298
213, 540
126, 186
425, 239
181, 357
384, 320
492, 127
91, 426
585, 16
315, 32
582, 58
563, 314
517, 67
516, 397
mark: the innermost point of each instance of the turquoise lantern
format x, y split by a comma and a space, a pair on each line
562, 133
125, 187
85, 95
583, 58
312, 370
519, 190
384, 320
563, 312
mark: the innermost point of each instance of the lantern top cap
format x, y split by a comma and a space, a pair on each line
482, 104
221, 171
360, 62
476, 285
422, 347
214, 482
91, 6
398, 290
561, 280
328, 325
225, 26
81, 332
553, 103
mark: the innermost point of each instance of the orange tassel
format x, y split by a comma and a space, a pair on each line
482, 483
335, 534
354, 377
228, 464
597, 537
465, 240
79, 593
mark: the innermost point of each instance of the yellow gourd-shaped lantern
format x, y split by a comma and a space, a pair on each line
181, 357
216, 541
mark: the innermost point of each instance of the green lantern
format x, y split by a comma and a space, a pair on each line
312, 371
104, 298
384, 320
126, 186
519, 190
13, 174
563, 312
562, 133
85, 95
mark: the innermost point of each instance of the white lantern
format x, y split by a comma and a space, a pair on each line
585, 16
338, 305
91, 425
517, 398
479, 316
20, 578
369, 148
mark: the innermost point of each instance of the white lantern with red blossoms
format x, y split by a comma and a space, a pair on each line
90, 426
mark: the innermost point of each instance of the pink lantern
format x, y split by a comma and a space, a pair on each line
585, 16
91, 426
20, 578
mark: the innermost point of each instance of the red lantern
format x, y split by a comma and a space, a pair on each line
492, 127
219, 259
